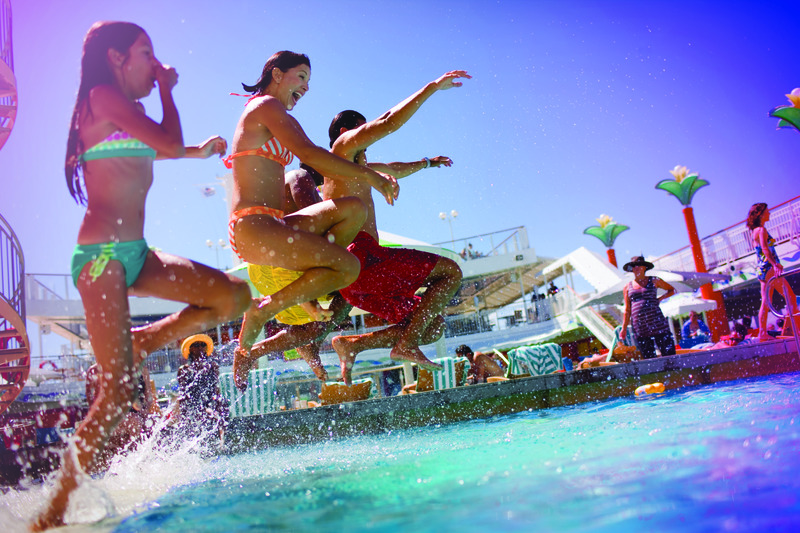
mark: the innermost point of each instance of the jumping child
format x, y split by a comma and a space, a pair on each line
112, 143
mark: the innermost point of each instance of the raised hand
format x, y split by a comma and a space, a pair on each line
448, 80
441, 160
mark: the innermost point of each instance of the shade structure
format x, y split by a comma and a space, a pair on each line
684, 282
685, 303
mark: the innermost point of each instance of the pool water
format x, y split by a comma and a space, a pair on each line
717, 458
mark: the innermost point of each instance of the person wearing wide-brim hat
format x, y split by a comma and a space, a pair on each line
202, 410
196, 345
637, 261
650, 326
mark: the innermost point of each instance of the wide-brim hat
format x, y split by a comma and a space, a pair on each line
635, 261
200, 337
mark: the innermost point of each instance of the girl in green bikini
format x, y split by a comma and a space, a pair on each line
112, 145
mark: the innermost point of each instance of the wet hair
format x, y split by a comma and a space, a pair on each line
463, 349
318, 178
347, 119
754, 215
95, 70
283, 60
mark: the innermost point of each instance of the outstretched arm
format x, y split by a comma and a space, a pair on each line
209, 147
401, 170
358, 139
289, 132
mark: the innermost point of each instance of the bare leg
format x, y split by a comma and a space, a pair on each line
108, 323
292, 337
443, 282
310, 354
306, 241
316, 311
349, 346
762, 312
213, 297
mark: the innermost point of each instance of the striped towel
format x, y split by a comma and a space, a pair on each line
259, 398
628, 340
447, 378
535, 360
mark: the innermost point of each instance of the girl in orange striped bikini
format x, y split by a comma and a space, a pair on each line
311, 240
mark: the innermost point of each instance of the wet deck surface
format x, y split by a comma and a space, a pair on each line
485, 400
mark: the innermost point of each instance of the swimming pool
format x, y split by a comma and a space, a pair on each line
722, 457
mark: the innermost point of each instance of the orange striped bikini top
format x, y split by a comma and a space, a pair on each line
272, 149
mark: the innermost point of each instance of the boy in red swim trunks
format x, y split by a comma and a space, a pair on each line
390, 277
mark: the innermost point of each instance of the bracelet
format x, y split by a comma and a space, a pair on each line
427, 162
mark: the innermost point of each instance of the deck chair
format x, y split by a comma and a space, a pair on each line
334, 392
535, 360
453, 374
628, 341
259, 398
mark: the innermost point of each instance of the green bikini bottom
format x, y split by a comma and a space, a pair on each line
132, 255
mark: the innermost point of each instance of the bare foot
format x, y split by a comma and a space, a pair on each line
67, 481
414, 355
310, 355
242, 364
253, 322
345, 347
316, 311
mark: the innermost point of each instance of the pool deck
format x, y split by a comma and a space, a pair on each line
382, 415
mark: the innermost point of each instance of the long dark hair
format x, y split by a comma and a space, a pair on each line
283, 60
95, 70
754, 215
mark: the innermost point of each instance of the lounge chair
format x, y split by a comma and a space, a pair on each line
259, 398
334, 392
453, 374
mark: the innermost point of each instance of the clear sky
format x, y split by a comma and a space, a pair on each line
575, 109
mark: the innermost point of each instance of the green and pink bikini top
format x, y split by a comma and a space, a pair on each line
118, 144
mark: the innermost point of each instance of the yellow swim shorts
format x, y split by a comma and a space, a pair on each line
269, 280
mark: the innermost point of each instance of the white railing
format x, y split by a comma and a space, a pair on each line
507, 241
734, 242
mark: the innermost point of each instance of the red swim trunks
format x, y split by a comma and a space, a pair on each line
389, 278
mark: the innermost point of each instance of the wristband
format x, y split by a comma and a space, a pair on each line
427, 162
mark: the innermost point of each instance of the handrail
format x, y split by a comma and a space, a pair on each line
12, 268
518, 234
735, 241
6, 49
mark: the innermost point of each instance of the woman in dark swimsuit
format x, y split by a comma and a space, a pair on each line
650, 327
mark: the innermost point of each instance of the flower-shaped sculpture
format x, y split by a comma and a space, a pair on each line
607, 231
789, 115
683, 186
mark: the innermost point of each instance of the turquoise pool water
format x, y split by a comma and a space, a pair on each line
716, 458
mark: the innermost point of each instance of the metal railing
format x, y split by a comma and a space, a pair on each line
735, 242
12, 269
500, 242
6, 49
